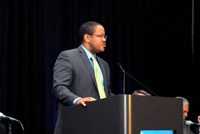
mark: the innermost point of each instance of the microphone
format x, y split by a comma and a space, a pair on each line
134, 79
2, 116
121, 67
188, 122
124, 74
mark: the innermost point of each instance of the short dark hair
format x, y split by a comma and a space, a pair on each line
87, 28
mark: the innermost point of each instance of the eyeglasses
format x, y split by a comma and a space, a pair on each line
102, 36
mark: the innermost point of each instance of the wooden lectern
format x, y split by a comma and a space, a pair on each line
124, 114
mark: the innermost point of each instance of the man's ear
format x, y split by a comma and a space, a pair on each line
87, 37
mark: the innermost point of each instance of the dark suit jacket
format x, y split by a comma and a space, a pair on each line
74, 77
2, 127
186, 129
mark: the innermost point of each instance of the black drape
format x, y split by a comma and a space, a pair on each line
152, 40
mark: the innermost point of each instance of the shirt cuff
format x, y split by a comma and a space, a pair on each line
74, 102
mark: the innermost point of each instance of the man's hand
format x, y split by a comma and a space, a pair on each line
83, 100
198, 118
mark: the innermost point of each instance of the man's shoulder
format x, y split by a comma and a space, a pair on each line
71, 51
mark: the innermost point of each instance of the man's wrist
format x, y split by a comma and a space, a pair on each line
74, 102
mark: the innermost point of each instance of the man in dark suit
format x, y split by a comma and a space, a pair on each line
74, 78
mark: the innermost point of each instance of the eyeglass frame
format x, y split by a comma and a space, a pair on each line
102, 36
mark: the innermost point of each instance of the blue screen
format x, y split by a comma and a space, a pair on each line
156, 132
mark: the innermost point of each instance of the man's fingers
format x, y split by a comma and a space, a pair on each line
92, 99
83, 103
83, 100
198, 119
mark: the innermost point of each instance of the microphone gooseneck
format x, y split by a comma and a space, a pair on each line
124, 74
134, 79
2, 116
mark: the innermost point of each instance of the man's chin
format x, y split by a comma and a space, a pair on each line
102, 50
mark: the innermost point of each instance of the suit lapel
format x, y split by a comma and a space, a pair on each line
87, 63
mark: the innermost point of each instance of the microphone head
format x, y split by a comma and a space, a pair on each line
188, 122
1, 114
118, 64
120, 67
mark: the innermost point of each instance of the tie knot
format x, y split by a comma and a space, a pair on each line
93, 58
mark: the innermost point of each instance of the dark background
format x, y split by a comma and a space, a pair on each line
152, 40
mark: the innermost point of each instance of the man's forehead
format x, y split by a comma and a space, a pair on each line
186, 107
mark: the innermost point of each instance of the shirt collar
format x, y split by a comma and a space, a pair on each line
89, 54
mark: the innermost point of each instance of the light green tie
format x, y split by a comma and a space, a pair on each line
98, 78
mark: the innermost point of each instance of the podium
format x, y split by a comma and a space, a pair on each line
124, 114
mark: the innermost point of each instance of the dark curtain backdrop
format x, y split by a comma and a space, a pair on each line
152, 41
